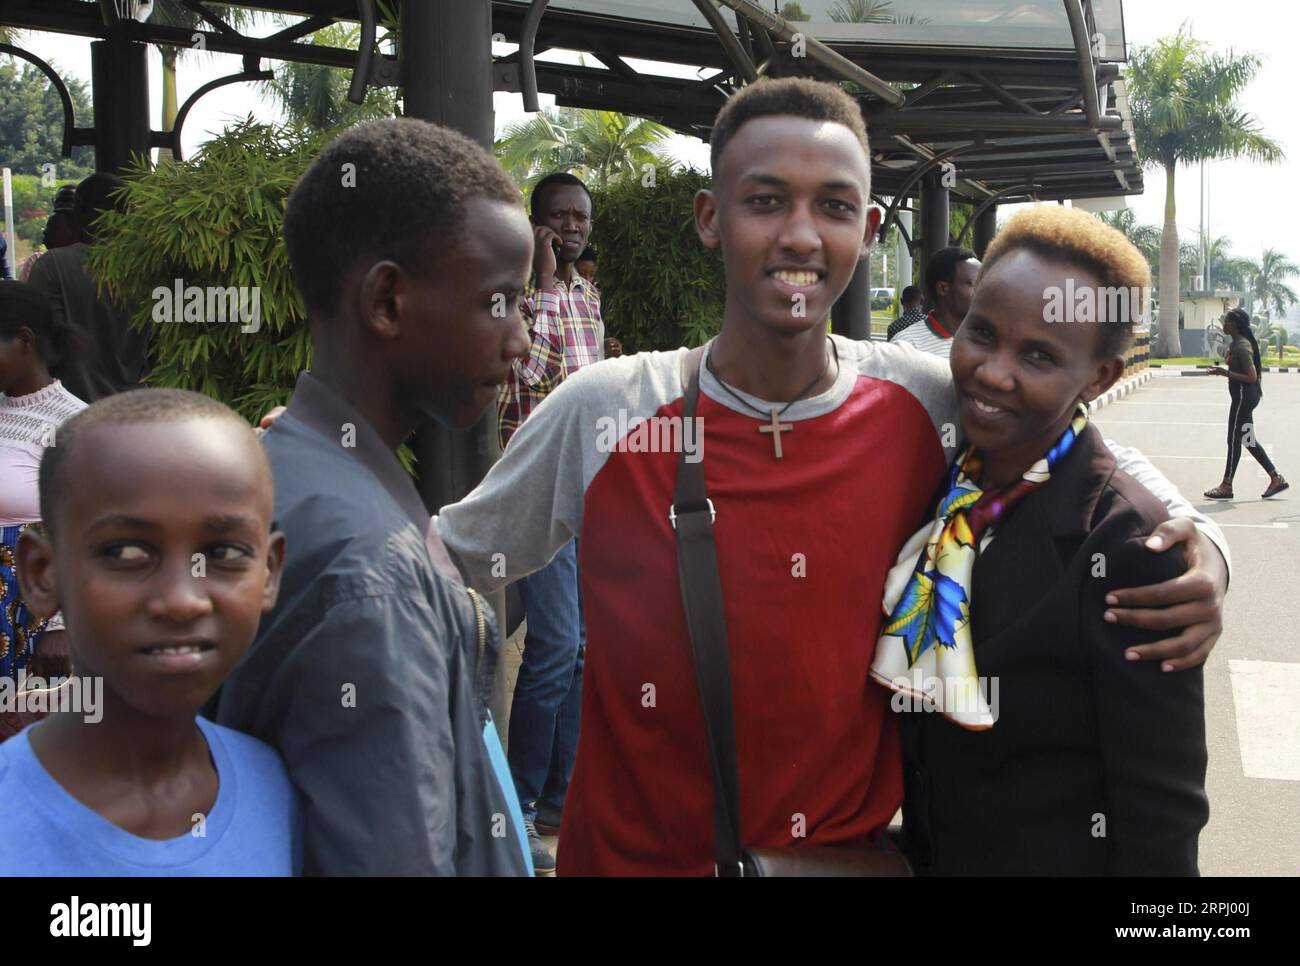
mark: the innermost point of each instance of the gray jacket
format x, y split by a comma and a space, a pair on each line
369, 676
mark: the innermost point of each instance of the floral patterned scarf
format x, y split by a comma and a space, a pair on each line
925, 643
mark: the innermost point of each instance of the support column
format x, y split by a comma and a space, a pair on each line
851, 313
119, 74
986, 226
447, 79
446, 56
934, 219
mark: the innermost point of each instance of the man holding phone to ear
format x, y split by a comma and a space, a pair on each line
562, 310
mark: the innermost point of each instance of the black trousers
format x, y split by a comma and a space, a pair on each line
1241, 428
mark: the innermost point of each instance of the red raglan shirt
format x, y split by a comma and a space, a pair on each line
804, 544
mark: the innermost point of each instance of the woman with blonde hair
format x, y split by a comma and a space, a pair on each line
1052, 752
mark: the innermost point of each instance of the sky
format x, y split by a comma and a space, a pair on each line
1254, 205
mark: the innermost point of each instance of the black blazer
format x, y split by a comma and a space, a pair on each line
1096, 766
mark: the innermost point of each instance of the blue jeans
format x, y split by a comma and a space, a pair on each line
548, 692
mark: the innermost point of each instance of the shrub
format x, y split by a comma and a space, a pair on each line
215, 220
660, 287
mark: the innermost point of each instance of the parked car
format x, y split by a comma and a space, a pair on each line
881, 298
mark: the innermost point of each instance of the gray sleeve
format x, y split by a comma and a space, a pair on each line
367, 739
1132, 462
531, 502
927, 377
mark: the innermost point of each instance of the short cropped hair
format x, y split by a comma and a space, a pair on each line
383, 190
911, 293
797, 96
1075, 236
588, 255
95, 195
25, 306
942, 267
127, 408
61, 229
538, 194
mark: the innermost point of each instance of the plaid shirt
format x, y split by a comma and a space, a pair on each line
567, 332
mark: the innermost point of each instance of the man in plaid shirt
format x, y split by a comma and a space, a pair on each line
563, 313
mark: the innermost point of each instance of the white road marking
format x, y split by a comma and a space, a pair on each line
1257, 526
1266, 698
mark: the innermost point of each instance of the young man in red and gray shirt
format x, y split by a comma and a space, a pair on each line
562, 310
808, 521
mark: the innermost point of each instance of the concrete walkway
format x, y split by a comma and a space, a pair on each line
1252, 679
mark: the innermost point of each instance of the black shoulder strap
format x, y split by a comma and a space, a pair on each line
697, 570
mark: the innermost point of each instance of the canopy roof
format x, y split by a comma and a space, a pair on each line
1023, 96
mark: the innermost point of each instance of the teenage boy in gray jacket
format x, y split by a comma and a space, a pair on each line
372, 673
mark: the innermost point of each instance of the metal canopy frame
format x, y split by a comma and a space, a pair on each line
1033, 108
1049, 120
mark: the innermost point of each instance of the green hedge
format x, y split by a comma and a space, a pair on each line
33, 203
216, 220
660, 287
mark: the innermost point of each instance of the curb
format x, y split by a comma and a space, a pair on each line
1200, 370
1120, 390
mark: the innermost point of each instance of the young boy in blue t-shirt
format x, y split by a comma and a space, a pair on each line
158, 550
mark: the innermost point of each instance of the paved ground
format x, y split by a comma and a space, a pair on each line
1252, 680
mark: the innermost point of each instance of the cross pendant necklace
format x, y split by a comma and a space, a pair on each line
775, 428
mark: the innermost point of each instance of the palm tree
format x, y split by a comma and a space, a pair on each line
866, 11
316, 96
1189, 261
1145, 238
1232, 273
862, 11
1267, 280
170, 13
1222, 268
1184, 104
599, 146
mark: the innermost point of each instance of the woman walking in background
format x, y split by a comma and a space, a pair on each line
1243, 372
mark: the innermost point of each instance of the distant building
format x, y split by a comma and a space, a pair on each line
1198, 309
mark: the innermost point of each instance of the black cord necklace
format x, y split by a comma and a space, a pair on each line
776, 427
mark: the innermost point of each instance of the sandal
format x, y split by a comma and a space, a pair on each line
1220, 492
1276, 486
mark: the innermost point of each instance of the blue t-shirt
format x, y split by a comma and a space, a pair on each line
254, 828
